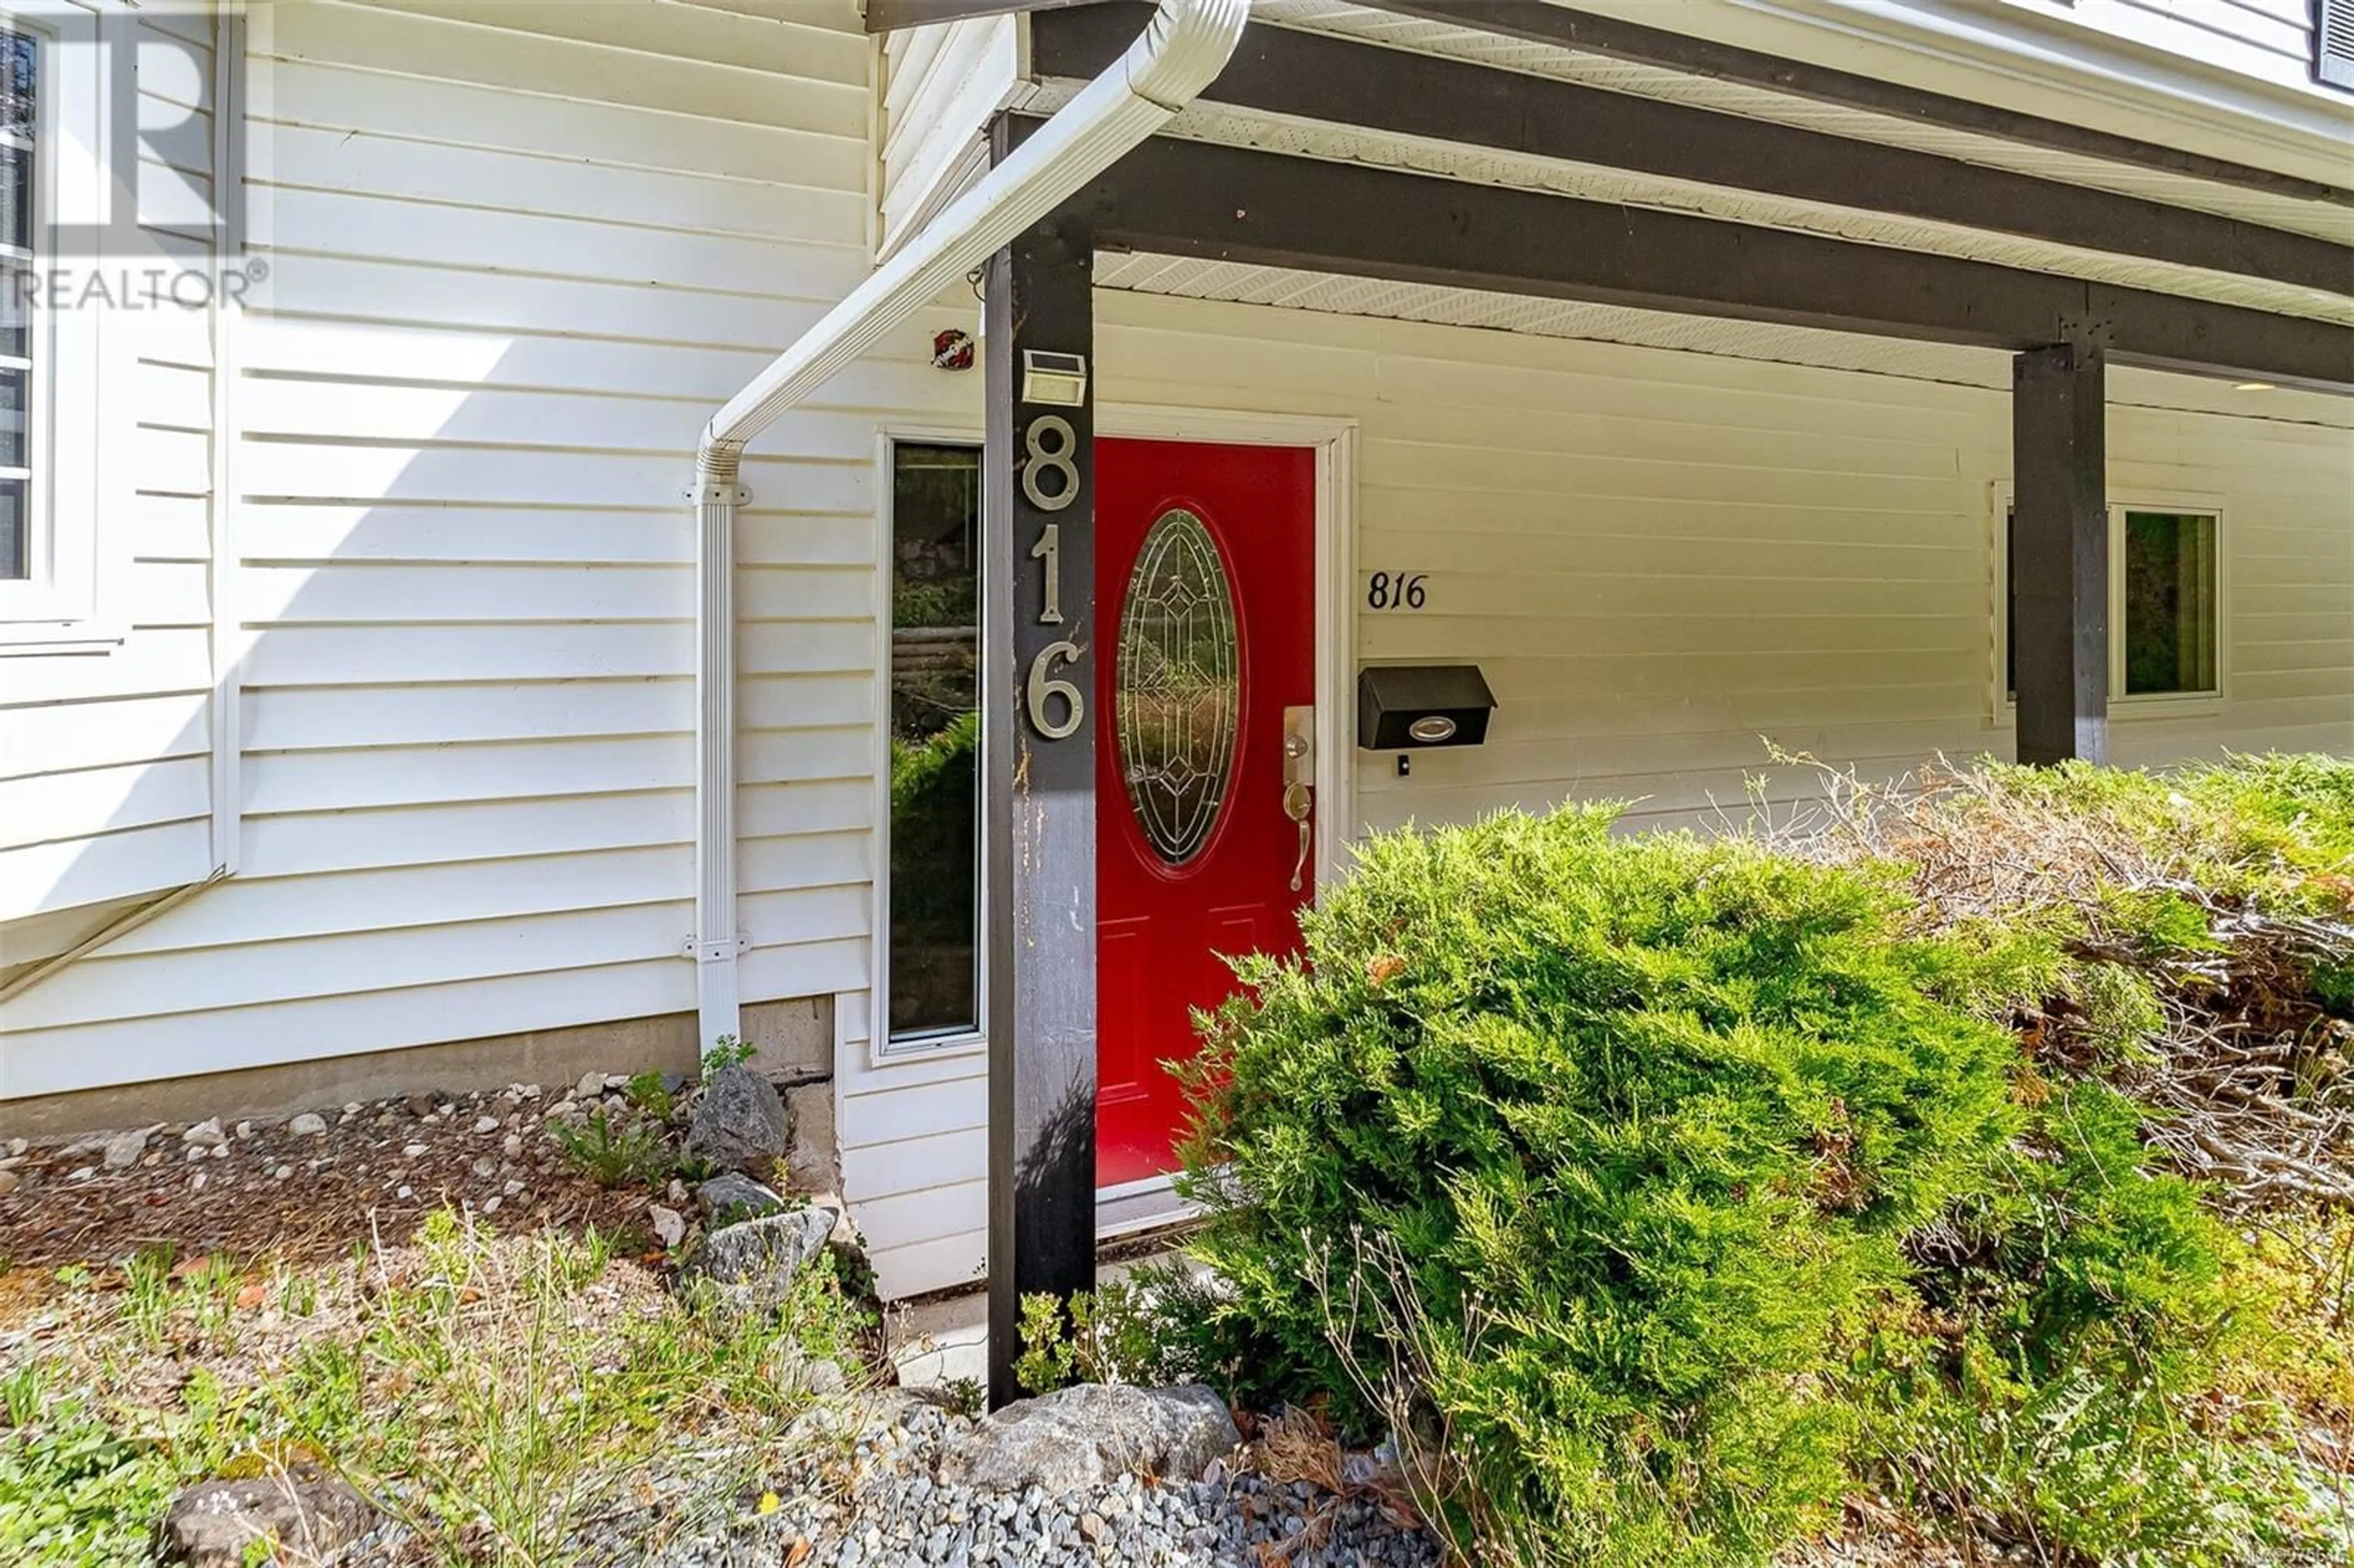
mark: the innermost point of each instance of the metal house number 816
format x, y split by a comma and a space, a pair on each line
1052, 446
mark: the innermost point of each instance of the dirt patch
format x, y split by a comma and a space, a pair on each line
299, 1190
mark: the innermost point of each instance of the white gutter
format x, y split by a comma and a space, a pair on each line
1181, 52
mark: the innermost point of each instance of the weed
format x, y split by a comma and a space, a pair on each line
965, 1395
617, 1154
148, 1292
1133, 1330
726, 1052
649, 1094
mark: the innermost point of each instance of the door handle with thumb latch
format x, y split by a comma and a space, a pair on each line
1299, 783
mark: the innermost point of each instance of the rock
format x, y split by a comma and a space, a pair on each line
670, 1225
421, 1106
511, 1145
753, 1264
81, 1174
491, 1204
414, 1151
123, 1149
213, 1523
205, 1134
8, 1181
486, 1124
738, 1123
590, 1085
1089, 1435
195, 1151
825, 1379
736, 1196
244, 1130
310, 1124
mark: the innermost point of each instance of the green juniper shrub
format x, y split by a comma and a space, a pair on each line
2059, 1377
1655, 1112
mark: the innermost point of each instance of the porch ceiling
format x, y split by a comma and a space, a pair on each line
1228, 126
1193, 277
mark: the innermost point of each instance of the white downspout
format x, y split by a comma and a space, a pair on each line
1181, 52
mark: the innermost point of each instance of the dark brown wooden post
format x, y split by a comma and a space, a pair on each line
2060, 554
1039, 636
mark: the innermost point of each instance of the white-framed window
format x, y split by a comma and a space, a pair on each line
2168, 634
932, 950
57, 176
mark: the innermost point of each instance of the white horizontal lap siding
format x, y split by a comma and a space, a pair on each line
105, 801
940, 85
519, 252
2270, 39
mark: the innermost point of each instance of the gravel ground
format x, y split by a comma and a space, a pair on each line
862, 1495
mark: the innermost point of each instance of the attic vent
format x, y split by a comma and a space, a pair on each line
2333, 42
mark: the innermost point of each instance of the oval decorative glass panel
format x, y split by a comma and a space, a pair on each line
1177, 693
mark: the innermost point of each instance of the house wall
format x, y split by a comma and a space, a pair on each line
940, 85
2271, 40
520, 251
1658, 558
106, 790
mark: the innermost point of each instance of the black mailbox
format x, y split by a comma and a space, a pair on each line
1407, 707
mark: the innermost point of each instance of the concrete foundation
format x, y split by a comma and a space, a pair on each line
792, 1043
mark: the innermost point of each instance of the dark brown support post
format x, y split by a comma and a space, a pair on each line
2059, 553
1039, 637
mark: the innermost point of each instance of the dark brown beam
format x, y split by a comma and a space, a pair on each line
1039, 802
890, 15
1548, 24
1192, 199
1316, 77
2060, 554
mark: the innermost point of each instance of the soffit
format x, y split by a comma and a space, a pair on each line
1229, 126
1336, 294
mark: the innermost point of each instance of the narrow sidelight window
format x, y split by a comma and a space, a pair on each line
934, 965
2170, 603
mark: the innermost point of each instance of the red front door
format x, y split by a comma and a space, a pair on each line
1204, 589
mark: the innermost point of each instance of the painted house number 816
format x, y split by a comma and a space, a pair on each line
1052, 446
